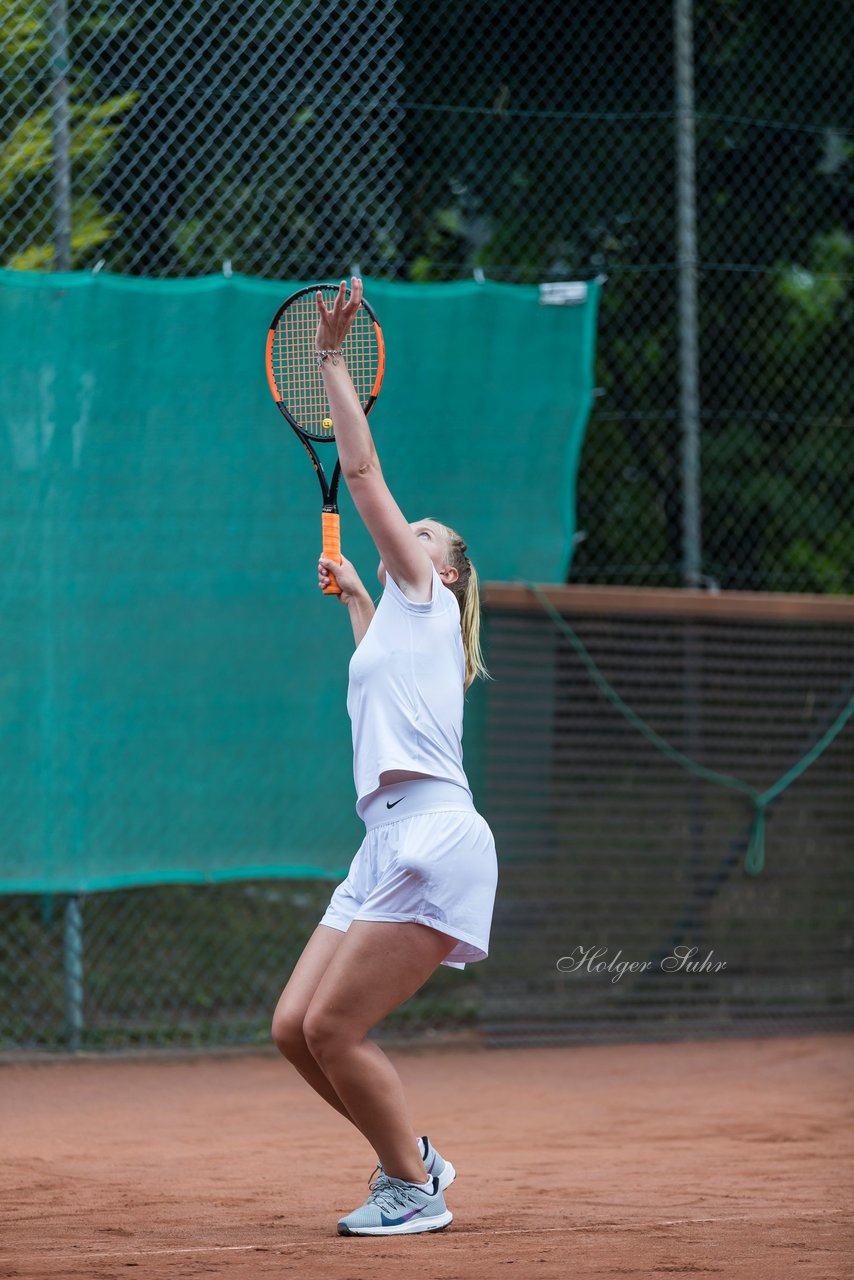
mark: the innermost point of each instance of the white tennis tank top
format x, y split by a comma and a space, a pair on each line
405, 696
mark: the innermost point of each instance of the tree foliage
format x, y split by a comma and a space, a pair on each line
26, 144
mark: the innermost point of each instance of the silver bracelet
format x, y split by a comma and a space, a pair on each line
321, 356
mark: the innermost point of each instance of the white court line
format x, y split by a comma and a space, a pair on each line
85, 1256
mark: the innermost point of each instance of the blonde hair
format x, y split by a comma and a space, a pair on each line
467, 591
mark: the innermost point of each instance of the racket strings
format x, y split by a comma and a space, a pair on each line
298, 380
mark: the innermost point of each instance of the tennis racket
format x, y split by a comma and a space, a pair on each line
297, 387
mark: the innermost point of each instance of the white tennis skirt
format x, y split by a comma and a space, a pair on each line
428, 856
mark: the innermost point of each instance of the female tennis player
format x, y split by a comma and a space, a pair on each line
421, 888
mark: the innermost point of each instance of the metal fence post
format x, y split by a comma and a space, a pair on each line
686, 231
60, 127
72, 952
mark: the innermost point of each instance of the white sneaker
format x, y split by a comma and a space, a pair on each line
396, 1208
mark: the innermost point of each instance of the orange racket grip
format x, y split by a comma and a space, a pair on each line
331, 546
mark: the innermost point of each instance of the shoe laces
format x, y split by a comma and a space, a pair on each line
388, 1193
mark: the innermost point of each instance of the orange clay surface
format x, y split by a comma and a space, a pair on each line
719, 1158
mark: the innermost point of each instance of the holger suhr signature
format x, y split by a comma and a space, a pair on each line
594, 960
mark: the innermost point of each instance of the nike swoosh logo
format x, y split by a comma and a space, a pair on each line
389, 804
406, 1217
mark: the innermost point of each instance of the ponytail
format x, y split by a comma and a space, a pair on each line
467, 592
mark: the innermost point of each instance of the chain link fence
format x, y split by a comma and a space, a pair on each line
429, 142
521, 143
609, 853
624, 909
177, 967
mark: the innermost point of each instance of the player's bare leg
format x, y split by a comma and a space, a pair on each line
375, 968
287, 1029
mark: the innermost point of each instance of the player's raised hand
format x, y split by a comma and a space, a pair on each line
334, 322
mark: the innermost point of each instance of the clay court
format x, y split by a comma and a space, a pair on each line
727, 1158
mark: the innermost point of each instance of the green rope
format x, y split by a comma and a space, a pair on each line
755, 856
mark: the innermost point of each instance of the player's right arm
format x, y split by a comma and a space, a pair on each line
402, 553
359, 604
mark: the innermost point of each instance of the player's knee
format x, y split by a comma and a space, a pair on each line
321, 1034
288, 1035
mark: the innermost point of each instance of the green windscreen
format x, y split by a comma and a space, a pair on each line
172, 682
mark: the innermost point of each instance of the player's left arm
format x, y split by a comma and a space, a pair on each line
404, 557
354, 595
